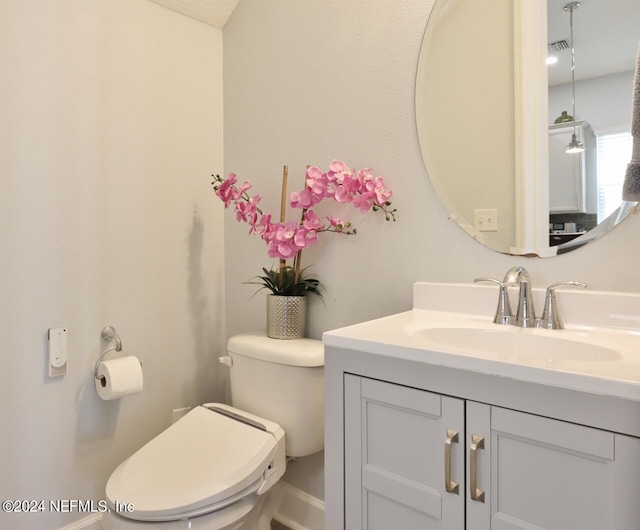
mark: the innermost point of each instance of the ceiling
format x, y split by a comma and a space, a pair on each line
212, 12
606, 36
606, 33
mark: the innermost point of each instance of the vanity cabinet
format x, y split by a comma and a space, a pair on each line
395, 457
416, 459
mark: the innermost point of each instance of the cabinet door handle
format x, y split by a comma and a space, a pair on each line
477, 442
450, 485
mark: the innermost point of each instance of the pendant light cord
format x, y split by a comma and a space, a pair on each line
573, 69
574, 146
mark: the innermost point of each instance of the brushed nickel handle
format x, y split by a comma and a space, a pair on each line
477, 442
550, 318
450, 485
504, 315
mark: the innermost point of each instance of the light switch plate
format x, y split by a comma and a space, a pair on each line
485, 220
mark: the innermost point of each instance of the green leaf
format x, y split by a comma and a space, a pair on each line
284, 283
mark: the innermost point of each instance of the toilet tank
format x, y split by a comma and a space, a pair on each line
283, 381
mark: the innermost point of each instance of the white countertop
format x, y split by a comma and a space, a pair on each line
399, 336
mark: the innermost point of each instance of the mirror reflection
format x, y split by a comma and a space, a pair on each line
494, 119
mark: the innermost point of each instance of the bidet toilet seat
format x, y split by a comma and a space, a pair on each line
224, 518
202, 463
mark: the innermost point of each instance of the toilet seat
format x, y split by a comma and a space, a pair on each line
202, 463
225, 518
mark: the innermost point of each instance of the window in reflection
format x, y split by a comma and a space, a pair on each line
614, 153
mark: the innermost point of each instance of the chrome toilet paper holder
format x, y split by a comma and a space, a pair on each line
108, 334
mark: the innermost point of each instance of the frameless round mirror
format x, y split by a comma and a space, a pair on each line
494, 119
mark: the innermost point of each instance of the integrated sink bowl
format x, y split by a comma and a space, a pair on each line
450, 326
508, 342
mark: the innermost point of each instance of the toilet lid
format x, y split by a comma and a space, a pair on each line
201, 463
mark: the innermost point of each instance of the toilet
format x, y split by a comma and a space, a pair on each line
218, 467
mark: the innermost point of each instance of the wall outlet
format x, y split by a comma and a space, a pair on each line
485, 220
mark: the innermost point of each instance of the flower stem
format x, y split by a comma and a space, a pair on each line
297, 260
283, 206
283, 197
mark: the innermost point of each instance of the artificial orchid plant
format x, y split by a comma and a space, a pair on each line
287, 239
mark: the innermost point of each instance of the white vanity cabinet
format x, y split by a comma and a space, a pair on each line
412, 459
484, 426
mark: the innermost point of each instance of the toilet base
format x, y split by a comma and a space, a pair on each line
254, 512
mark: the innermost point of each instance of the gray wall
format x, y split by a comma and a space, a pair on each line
111, 115
112, 122
307, 82
604, 102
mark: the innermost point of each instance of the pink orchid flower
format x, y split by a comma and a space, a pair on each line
241, 190
247, 210
302, 199
338, 166
364, 201
280, 242
263, 227
312, 221
305, 237
342, 195
286, 240
365, 176
382, 192
282, 249
336, 223
316, 181
226, 191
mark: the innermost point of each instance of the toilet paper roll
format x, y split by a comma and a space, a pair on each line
119, 377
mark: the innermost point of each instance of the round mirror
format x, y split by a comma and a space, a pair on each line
494, 119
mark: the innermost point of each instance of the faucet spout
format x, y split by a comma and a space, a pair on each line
515, 275
525, 315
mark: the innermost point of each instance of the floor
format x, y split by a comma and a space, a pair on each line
275, 525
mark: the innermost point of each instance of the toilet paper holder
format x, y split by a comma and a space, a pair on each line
108, 334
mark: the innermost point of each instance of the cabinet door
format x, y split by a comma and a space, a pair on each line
399, 448
566, 172
548, 474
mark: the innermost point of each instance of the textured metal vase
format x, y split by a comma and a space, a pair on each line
286, 316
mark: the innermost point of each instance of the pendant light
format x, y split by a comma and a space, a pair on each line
575, 145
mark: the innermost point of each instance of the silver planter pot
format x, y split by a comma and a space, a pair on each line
286, 316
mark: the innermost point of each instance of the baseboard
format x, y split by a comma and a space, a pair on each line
91, 522
299, 510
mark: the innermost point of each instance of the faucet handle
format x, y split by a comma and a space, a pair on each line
550, 318
504, 315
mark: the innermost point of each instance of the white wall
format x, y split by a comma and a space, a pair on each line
306, 82
604, 102
111, 114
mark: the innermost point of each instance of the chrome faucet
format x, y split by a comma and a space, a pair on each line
525, 316
504, 315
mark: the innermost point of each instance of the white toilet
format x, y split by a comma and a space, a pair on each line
218, 467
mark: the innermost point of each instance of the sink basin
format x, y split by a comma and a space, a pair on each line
513, 342
450, 326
